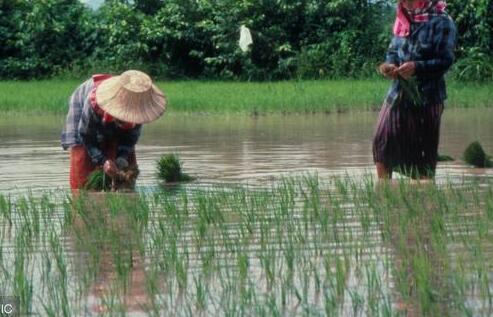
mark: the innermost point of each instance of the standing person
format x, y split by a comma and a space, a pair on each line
104, 122
421, 51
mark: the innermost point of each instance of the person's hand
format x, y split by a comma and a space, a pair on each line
110, 168
388, 70
407, 69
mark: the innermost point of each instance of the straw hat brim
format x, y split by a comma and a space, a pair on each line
128, 105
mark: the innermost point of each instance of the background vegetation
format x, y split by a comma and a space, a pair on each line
252, 98
199, 38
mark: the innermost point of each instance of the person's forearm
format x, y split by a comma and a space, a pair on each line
436, 66
95, 153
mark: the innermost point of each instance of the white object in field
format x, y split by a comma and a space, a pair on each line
245, 38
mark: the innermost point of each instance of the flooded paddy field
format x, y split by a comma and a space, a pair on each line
302, 246
235, 149
285, 219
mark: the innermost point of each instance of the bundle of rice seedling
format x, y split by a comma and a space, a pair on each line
98, 181
124, 179
475, 156
169, 169
409, 92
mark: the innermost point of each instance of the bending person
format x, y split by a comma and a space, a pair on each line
104, 123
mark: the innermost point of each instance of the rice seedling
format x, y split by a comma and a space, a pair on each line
169, 169
98, 181
475, 156
6, 209
301, 246
409, 93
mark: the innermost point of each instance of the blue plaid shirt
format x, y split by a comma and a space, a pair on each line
84, 126
431, 45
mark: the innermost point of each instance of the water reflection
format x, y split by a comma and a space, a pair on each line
108, 254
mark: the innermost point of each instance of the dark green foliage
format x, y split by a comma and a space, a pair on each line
475, 156
475, 38
475, 65
98, 181
149, 7
169, 169
43, 37
474, 24
199, 39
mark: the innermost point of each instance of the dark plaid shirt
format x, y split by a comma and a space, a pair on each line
84, 126
431, 45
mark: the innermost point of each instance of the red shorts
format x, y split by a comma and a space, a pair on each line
81, 165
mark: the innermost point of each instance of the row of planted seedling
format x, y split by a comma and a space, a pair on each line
301, 246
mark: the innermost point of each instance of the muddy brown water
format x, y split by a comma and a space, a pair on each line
235, 148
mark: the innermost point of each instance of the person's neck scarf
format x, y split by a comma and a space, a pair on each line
421, 13
107, 118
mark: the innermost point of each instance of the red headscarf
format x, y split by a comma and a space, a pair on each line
421, 13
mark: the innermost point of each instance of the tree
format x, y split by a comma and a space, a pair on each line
44, 36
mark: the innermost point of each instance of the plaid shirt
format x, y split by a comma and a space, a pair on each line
431, 45
84, 126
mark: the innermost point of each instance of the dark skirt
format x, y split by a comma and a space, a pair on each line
406, 139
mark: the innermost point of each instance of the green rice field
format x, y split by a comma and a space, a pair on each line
242, 97
300, 246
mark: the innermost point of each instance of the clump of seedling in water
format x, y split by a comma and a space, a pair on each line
98, 181
299, 246
124, 179
169, 169
475, 156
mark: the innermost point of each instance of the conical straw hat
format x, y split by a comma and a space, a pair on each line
131, 97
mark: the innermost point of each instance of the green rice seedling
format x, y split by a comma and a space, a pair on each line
58, 303
268, 264
341, 275
486, 291
4, 272
23, 286
409, 92
357, 301
330, 300
200, 294
57, 252
387, 307
374, 288
98, 181
181, 271
169, 169
271, 305
30, 216
436, 253
243, 265
6, 208
152, 285
475, 156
